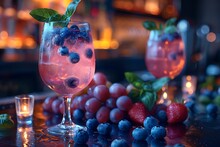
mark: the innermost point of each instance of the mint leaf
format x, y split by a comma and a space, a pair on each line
170, 22
150, 25
6, 122
134, 94
149, 99
71, 9
43, 14
137, 82
159, 83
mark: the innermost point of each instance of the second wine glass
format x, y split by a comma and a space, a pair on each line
165, 56
66, 65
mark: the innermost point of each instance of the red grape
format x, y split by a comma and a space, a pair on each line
89, 115
116, 115
101, 92
102, 114
92, 105
129, 88
47, 105
111, 103
61, 108
116, 90
82, 100
124, 103
100, 78
56, 105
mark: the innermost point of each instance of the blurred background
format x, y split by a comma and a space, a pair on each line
118, 35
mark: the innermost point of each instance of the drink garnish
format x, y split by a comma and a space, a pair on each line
49, 15
6, 122
145, 91
151, 25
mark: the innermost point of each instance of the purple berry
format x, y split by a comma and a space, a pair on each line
102, 114
119, 143
72, 82
212, 109
92, 124
74, 57
116, 115
81, 137
111, 103
89, 53
139, 133
124, 103
63, 51
104, 128
78, 114
162, 116
124, 125
158, 132
58, 40
92, 105
150, 122
64, 32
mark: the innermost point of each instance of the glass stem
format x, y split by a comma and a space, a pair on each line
67, 115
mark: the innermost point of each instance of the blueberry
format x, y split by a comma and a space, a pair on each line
92, 123
74, 57
78, 114
85, 36
124, 125
163, 37
178, 145
58, 40
139, 133
150, 122
172, 56
170, 37
72, 82
89, 53
158, 132
104, 128
190, 105
212, 109
64, 32
81, 137
162, 116
119, 143
136, 143
63, 51
75, 29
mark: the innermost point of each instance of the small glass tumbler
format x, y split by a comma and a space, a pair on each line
24, 108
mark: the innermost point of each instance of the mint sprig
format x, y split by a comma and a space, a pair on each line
6, 122
146, 92
49, 15
151, 25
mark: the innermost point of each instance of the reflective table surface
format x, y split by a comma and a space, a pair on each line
200, 130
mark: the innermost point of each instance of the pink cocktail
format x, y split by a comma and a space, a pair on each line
165, 58
66, 64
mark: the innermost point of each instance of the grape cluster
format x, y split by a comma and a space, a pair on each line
101, 100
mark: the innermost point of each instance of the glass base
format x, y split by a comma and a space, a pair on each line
65, 130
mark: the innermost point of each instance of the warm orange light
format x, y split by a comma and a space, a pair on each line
152, 7
3, 35
15, 42
188, 78
24, 14
211, 37
10, 12
29, 42
188, 84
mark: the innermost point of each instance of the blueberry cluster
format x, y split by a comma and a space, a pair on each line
169, 36
71, 35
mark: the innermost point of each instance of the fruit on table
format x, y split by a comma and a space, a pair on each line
176, 113
138, 113
124, 125
47, 105
158, 132
81, 137
150, 122
119, 143
139, 133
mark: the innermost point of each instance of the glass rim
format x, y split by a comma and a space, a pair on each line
71, 22
24, 96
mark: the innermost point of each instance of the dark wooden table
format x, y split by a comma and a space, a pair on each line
200, 130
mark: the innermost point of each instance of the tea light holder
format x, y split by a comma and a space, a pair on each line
189, 84
24, 108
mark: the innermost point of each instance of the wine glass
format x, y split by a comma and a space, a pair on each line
66, 65
165, 57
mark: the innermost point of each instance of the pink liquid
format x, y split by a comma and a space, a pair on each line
55, 69
165, 58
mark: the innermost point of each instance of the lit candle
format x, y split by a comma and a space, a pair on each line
24, 108
188, 85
